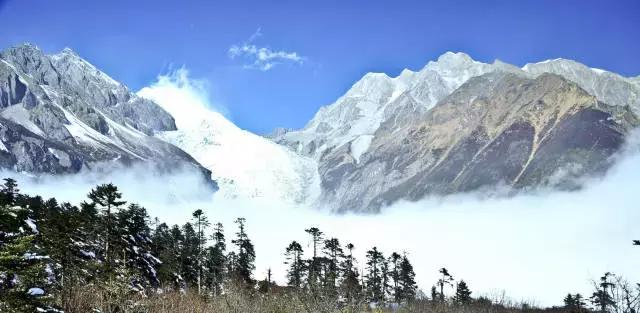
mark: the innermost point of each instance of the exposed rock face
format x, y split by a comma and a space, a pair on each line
355, 116
59, 114
606, 86
496, 125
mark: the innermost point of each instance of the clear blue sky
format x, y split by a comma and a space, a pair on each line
335, 42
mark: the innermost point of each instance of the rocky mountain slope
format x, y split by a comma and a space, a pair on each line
460, 125
59, 114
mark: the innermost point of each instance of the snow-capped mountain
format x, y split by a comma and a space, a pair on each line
608, 87
356, 116
245, 165
451, 127
60, 114
456, 125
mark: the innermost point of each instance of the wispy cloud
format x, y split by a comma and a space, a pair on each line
261, 57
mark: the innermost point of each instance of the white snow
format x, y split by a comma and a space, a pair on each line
19, 115
3, 147
361, 111
89, 254
84, 66
245, 165
32, 225
35, 291
360, 145
84, 133
34, 256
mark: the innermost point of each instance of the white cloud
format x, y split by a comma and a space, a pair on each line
262, 58
535, 247
184, 97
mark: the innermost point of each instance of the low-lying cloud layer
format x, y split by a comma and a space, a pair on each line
536, 246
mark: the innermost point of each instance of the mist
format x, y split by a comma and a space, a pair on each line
537, 246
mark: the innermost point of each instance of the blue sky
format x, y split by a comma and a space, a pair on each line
313, 51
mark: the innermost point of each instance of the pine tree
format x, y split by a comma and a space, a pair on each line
602, 298
575, 303
64, 238
166, 246
333, 255
25, 270
295, 272
386, 285
315, 264
216, 261
463, 294
408, 287
434, 295
136, 247
201, 223
8, 191
446, 279
245, 257
375, 276
578, 303
350, 286
394, 274
188, 255
108, 198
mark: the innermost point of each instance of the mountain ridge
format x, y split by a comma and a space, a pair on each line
456, 125
341, 151
60, 114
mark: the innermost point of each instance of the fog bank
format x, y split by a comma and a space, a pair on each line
535, 247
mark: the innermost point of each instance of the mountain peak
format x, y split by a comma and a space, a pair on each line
24, 49
451, 61
68, 51
450, 56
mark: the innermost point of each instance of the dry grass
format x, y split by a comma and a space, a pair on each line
86, 299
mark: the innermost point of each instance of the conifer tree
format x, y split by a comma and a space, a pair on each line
375, 276
394, 274
201, 223
463, 294
350, 286
166, 246
62, 230
178, 242
445, 280
315, 264
295, 272
408, 287
25, 270
107, 197
188, 255
8, 191
602, 298
575, 303
434, 295
216, 261
333, 256
245, 257
136, 246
